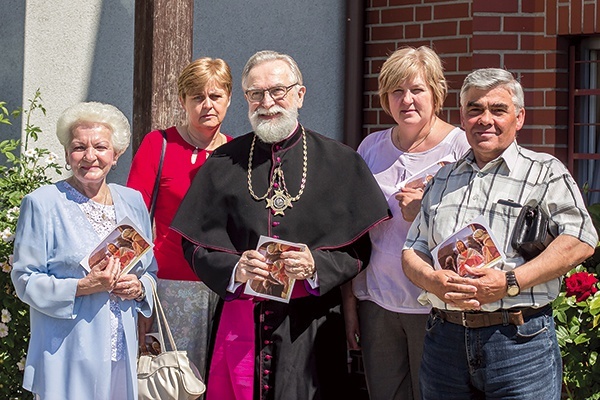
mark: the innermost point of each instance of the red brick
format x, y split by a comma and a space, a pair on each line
504, 6
451, 10
371, 117
551, 21
450, 63
398, 15
538, 42
534, 98
557, 61
378, 3
495, 42
523, 24
556, 136
412, 31
424, 13
465, 27
576, 18
386, 32
547, 116
548, 80
524, 61
379, 49
486, 60
455, 80
466, 63
556, 98
597, 18
372, 17
564, 20
450, 46
588, 18
533, 6
385, 119
486, 24
440, 29
393, 3
371, 84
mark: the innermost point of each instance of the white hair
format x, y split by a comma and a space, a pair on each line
94, 112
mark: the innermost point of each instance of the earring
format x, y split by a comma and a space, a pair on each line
114, 166
67, 167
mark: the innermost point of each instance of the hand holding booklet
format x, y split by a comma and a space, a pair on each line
126, 242
421, 178
473, 246
278, 285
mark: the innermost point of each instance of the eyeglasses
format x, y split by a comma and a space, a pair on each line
276, 93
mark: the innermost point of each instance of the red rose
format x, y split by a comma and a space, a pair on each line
582, 285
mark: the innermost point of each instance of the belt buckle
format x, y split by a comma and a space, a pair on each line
463, 316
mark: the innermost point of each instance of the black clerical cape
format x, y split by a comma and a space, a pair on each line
302, 344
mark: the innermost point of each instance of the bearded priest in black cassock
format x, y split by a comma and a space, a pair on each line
288, 183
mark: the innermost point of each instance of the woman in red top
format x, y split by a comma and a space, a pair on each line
204, 88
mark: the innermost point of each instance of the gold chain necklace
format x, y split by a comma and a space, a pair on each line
414, 146
281, 198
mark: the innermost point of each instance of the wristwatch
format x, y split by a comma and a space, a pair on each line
512, 286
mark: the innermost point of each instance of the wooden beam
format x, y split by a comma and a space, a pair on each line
354, 77
163, 47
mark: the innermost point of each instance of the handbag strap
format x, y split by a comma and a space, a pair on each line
161, 318
158, 174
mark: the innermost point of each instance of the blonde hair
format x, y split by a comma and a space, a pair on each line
407, 63
199, 73
98, 113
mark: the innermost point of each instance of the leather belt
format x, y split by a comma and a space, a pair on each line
482, 319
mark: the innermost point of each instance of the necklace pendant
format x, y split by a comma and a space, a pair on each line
194, 156
279, 202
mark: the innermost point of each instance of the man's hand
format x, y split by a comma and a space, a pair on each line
252, 265
490, 283
298, 264
454, 289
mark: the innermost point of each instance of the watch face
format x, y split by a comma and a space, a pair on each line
513, 290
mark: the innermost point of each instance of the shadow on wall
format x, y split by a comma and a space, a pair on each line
111, 77
12, 43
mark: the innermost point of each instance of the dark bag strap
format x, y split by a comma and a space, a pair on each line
158, 174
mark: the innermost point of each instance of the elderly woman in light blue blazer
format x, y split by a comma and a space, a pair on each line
83, 324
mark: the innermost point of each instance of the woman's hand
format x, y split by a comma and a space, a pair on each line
349, 306
128, 287
101, 278
410, 202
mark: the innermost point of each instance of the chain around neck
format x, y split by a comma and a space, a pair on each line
278, 173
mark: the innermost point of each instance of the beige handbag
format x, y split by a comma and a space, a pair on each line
170, 374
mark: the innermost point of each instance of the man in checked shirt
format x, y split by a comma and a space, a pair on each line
491, 334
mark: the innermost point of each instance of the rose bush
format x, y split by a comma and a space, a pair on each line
577, 317
24, 169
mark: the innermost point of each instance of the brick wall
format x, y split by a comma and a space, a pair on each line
527, 37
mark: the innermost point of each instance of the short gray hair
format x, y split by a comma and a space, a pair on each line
490, 78
94, 112
270, 55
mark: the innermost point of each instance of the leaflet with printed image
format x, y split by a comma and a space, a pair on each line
473, 246
278, 286
421, 178
126, 242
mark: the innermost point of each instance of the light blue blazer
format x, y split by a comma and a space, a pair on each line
69, 350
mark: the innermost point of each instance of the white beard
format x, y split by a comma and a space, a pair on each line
275, 130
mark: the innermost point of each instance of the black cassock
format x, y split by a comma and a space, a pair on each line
300, 345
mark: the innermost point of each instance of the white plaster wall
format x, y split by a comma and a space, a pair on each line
78, 51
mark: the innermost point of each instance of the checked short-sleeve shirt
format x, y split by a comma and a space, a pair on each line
461, 192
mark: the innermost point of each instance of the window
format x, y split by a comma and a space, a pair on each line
584, 116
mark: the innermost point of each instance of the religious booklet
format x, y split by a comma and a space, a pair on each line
473, 246
278, 286
421, 178
126, 242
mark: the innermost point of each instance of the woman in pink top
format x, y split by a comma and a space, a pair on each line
388, 320
205, 94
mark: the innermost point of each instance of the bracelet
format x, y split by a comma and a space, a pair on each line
142, 296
